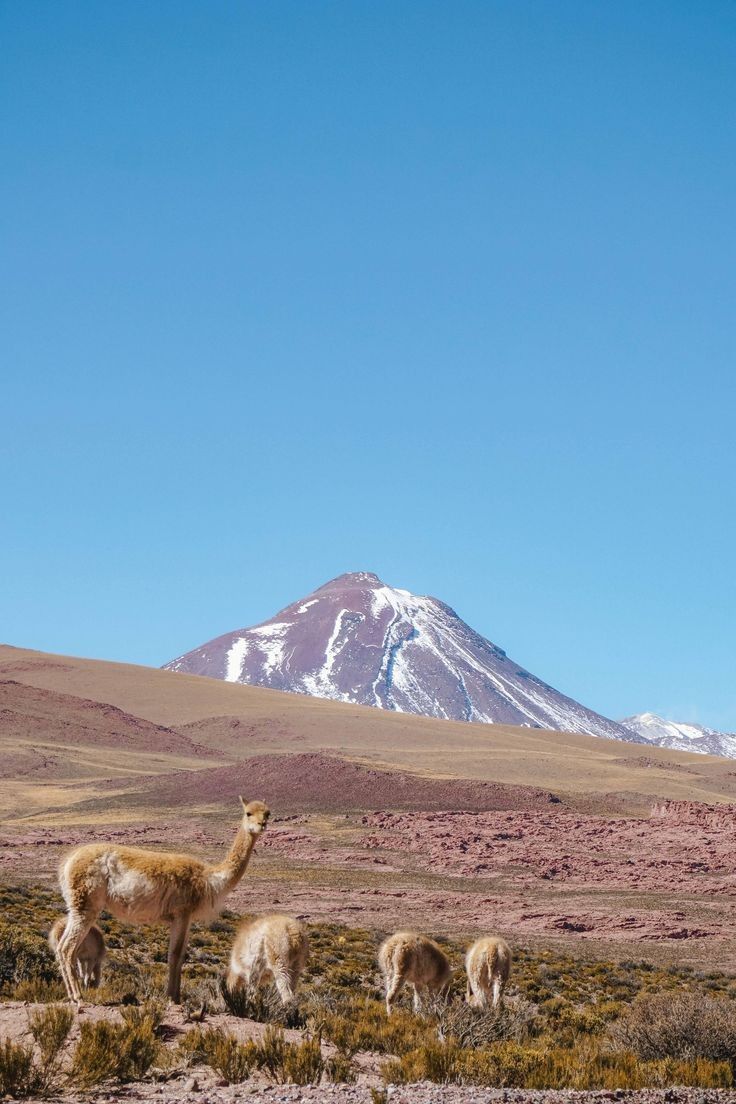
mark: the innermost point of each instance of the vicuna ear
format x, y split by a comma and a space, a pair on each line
242, 802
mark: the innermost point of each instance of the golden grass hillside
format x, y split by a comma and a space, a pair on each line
235, 722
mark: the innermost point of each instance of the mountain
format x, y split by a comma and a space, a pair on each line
681, 736
355, 639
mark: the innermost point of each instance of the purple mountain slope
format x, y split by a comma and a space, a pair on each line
357, 640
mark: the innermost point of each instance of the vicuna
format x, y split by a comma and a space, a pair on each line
270, 948
488, 965
409, 958
147, 887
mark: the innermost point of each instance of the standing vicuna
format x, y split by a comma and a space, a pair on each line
409, 958
488, 965
147, 887
90, 952
269, 948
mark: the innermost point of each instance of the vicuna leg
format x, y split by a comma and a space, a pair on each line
71, 939
234, 982
178, 935
497, 987
393, 987
284, 983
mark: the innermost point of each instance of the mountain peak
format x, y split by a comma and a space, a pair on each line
352, 578
357, 639
681, 735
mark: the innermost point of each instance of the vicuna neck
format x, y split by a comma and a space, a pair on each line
233, 866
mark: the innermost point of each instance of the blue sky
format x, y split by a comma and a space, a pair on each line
439, 290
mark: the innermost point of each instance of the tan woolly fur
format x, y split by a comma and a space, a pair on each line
146, 887
269, 948
89, 956
488, 966
409, 958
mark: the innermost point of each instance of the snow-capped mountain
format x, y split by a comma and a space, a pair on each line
357, 640
680, 736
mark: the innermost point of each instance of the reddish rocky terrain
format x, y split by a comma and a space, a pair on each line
664, 884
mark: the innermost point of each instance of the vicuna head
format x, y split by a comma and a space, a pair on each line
255, 816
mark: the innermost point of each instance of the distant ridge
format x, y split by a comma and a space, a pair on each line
355, 639
681, 736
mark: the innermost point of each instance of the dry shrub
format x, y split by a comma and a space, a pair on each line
683, 1026
228, 1057
340, 1069
282, 1062
123, 1051
262, 1004
516, 1021
362, 1024
510, 1065
24, 956
506, 1065
299, 1063
38, 991
434, 1061
590, 1067
192, 1048
50, 1028
204, 996
18, 1074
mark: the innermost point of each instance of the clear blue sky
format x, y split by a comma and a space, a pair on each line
439, 290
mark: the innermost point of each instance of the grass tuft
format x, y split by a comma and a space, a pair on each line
18, 1073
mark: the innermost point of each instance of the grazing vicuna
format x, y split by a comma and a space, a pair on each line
409, 958
147, 887
488, 965
269, 948
89, 956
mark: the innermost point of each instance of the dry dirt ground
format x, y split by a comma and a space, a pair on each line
380, 819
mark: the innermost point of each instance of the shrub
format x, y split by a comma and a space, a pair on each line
123, 1051
340, 1069
262, 1004
18, 1075
509, 1065
96, 1056
228, 1057
38, 991
298, 1063
363, 1025
516, 1020
303, 1063
50, 1028
683, 1026
193, 1047
24, 956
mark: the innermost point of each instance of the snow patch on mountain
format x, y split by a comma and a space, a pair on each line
235, 659
681, 736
